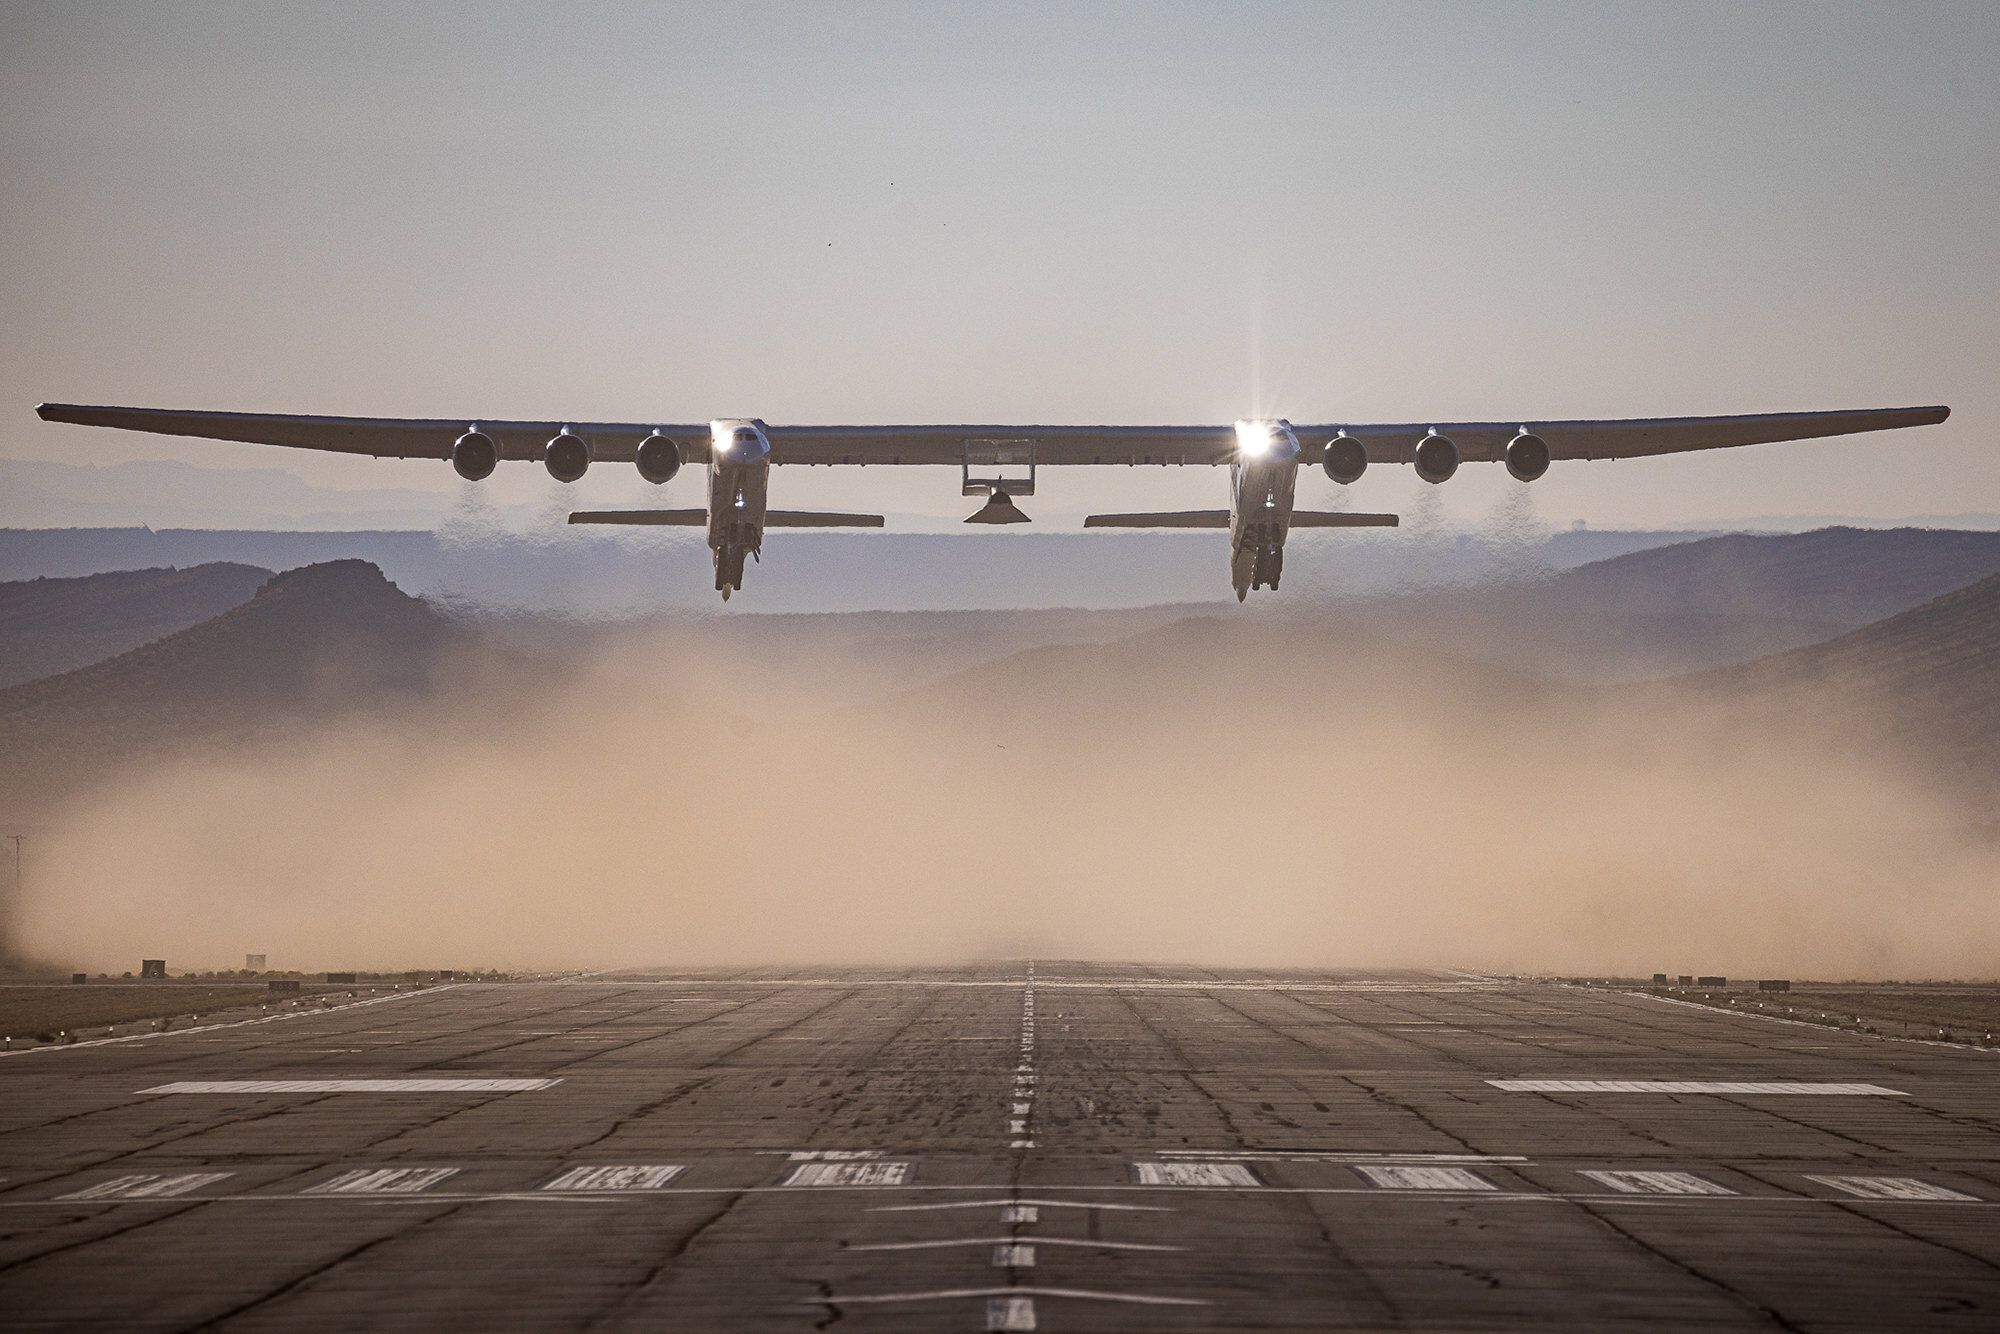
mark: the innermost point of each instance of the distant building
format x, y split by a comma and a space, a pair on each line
155, 969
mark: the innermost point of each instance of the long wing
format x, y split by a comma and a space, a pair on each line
1632, 438
616, 442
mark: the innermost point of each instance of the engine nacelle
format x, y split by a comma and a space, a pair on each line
1436, 457
566, 457
1346, 459
1527, 457
475, 456
658, 458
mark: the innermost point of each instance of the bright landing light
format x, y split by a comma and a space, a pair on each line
1253, 439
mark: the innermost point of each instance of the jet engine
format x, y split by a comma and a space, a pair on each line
1346, 459
1527, 457
566, 457
1436, 457
658, 458
474, 456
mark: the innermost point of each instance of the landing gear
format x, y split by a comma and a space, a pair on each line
1269, 565
729, 569
1255, 567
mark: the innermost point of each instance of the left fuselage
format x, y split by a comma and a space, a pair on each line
739, 474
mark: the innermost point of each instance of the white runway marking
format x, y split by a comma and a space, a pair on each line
628, 1177
946, 1294
833, 1155
147, 1186
1340, 1156
1046, 1204
1425, 1178
1195, 1174
1689, 1086
279, 1017
1020, 1137
1659, 1183
1013, 1255
354, 1086
1020, 1213
1082, 1244
1890, 1188
1010, 1313
849, 1174
383, 1181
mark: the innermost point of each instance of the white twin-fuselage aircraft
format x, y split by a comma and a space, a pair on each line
1264, 457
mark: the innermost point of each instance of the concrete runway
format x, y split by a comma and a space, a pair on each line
1055, 1147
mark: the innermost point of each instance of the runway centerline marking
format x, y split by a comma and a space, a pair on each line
1010, 1313
849, 1174
354, 1086
624, 1177
383, 1181
1740, 1086
1658, 1183
1890, 1188
147, 1186
1013, 1255
1425, 1178
1195, 1174
1020, 1136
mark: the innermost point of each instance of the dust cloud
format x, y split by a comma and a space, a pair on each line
1246, 792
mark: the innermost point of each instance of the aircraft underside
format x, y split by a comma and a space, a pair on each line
1263, 457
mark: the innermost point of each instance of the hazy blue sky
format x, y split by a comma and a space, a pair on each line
1072, 212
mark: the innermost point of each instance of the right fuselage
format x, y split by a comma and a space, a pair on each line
1262, 480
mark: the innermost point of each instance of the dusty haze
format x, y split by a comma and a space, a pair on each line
1237, 792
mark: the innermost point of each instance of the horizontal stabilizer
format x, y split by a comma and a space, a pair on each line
1312, 519
676, 518
817, 519
1170, 519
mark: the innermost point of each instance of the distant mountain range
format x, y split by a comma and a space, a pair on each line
311, 643
54, 625
612, 572
337, 637
1926, 680
1703, 603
